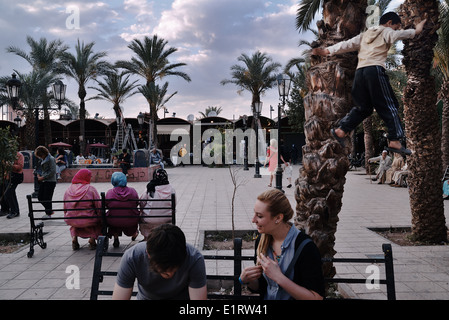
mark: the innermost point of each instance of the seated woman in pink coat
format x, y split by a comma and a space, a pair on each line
80, 189
118, 201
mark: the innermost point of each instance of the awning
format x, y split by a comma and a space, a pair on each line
170, 128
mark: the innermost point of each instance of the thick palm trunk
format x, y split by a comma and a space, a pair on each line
320, 184
421, 121
444, 94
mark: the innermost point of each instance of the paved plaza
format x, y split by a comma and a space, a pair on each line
204, 203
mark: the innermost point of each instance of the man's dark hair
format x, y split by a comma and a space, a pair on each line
166, 246
393, 16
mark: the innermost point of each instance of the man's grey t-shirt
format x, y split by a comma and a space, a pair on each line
135, 264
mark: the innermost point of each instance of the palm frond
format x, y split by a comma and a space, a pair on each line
307, 10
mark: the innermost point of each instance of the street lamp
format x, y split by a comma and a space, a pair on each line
257, 111
140, 119
13, 87
283, 82
59, 92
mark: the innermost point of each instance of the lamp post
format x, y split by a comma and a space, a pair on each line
59, 92
18, 122
257, 109
245, 139
283, 82
140, 121
13, 87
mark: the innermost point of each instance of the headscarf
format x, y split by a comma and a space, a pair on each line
160, 176
118, 179
83, 176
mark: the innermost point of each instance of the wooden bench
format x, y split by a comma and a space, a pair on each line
37, 223
238, 258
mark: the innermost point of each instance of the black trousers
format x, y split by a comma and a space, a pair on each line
9, 201
46, 190
372, 90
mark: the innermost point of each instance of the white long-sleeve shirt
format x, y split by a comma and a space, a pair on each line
373, 45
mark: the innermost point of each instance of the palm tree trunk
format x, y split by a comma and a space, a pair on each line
82, 95
47, 124
369, 142
444, 94
30, 130
322, 177
153, 115
421, 121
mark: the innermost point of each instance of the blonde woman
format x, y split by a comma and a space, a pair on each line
278, 274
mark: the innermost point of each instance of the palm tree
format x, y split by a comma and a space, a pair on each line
209, 109
83, 66
155, 95
321, 180
151, 63
43, 56
422, 125
441, 64
116, 88
256, 76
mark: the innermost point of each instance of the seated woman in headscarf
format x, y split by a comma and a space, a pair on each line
122, 201
81, 189
158, 188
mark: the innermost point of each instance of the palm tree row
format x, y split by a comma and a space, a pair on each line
51, 60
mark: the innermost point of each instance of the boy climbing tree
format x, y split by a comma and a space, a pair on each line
371, 87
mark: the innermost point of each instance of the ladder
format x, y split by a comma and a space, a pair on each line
118, 142
129, 138
125, 137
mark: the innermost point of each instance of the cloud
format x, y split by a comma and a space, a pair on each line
209, 36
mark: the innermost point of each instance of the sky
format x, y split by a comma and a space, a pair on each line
209, 34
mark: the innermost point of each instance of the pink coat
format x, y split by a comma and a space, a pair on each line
91, 208
118, 207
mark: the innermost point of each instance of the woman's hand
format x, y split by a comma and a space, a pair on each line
250, 274
271, 268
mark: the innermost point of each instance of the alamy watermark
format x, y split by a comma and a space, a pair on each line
73, 20
373, 280
372, 20
228, 146
73, 280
